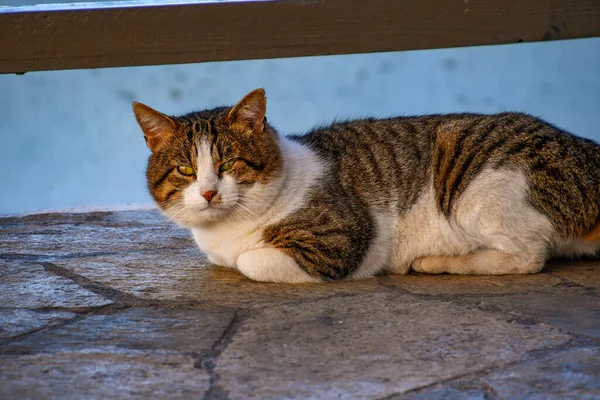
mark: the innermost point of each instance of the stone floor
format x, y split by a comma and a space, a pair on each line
122, 305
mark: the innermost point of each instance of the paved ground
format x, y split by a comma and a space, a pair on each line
121, 305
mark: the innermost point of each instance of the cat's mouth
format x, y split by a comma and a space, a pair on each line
196, 216
207, 208
211, 210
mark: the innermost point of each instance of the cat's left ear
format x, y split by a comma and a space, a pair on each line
157, 127
250, 111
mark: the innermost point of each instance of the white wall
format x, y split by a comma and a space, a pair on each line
69, 138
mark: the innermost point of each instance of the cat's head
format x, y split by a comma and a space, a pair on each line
212, 165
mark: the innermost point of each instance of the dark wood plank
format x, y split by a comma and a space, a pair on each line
125, 34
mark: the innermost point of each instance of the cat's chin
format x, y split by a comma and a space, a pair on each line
198, 218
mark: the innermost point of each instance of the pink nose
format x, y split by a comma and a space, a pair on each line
209, 195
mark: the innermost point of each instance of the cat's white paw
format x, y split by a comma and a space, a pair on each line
272, 265
428, 265
214, 260
416, 265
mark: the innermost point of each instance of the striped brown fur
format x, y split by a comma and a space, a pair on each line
374, 163
563, 170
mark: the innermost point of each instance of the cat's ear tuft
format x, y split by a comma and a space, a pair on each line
157, 127
250, 111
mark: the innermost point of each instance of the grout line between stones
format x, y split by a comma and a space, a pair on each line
524, 320
53, 258
489, 388
209, 359
105, 291
127, 299
444, 381
474, 301
106, 309
565, 282
477, 375
45, 257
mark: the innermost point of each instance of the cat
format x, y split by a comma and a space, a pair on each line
458, 193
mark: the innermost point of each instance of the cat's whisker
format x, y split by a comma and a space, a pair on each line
241, 214
177, 213
244, 210
252, 196
184, 208
252, 201
250, 212
255, 204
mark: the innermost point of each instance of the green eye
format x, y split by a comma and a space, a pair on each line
185, 170
227, 165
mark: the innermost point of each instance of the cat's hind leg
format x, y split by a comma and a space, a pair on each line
481, 262
272, 265
511, 236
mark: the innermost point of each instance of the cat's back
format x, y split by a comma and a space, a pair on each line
382, 161
561, 169
394, 160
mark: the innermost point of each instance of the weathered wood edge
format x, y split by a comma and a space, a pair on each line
94, 35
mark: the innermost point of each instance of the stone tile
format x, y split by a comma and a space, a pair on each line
142, 328
101, 375
453, 394
458, 389
473, 285
164, 275
368, 346
232, 288
570, 374
450, 393
143, 254
14, 322
578, 313
45, 237
585, 273
186, 275
27, 285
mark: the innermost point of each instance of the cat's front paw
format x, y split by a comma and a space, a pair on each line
215, 260
272, 265
212, 260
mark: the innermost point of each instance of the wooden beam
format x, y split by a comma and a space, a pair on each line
92, 35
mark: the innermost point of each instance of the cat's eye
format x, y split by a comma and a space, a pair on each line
227, 165
185, 170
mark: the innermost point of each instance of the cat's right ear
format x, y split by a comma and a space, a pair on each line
157, 127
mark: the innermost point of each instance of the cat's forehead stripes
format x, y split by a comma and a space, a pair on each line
199, 127
205, 159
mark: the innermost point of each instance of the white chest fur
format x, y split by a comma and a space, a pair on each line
225, 241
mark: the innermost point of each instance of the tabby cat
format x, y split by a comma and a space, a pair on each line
460, 193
